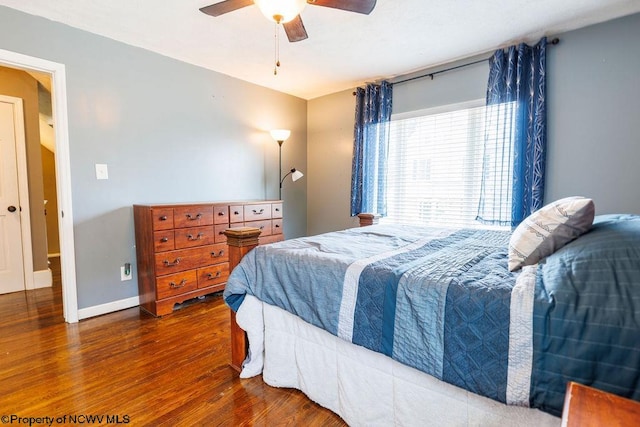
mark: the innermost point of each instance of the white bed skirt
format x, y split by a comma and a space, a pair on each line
363, 387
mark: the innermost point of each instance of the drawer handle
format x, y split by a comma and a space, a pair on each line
211, 276
179, 285
164, 239
260, 212
277, 209
219, 254
262, 227
168, 263
194, 218
277, 225
198, 237
163, 218
236, 213
221, 213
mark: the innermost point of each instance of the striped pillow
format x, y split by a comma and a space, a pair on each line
548, 229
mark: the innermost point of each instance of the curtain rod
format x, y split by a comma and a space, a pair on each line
554, 41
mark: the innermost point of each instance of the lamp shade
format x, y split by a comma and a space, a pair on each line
280, 134
295, 175
281, 11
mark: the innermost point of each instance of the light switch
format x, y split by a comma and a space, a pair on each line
101, 171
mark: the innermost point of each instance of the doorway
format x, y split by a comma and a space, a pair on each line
64, 214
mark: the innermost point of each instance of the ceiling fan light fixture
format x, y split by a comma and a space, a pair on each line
280, 11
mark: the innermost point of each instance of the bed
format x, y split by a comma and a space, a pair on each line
397, 325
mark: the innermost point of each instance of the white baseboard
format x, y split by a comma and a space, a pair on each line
110, 307
42, 279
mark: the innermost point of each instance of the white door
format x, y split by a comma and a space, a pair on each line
11, 256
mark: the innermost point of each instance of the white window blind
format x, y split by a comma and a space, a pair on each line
435, 166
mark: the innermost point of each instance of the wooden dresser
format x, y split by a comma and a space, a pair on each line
181, 249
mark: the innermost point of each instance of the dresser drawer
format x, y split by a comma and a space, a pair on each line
218, 253
276, 226
194, 236
276, 210
219, 233
187, 259
163, 240
264, 240
162, 219
236, 213
257, 212
221, 214
175, 284
213, 275
193, 216
264, 226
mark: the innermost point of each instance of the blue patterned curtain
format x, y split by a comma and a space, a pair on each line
516, 136
370, 146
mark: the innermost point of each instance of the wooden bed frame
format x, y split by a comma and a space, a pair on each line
241, 240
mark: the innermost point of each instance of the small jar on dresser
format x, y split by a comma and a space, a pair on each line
181, 249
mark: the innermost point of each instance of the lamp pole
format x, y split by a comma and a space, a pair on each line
280, 167
280, 136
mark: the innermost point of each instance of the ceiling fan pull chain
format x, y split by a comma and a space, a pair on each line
277, 50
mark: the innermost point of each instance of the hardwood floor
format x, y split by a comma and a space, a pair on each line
167, 371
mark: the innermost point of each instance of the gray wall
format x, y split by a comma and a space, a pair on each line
168, 131
330, 146
594, 116
593, 107
451, 87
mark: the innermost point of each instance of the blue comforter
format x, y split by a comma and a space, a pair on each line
439, 300
587, 314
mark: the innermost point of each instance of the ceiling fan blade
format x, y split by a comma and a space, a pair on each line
225, 6
295, 30
359, 6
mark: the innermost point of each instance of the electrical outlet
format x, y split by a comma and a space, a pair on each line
125, 272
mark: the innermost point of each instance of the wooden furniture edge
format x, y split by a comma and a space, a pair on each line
240, 241
165, 306
368, 219
585, 406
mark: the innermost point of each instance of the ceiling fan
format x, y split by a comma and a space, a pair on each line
287, 12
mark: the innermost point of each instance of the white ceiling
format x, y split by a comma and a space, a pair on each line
343, 50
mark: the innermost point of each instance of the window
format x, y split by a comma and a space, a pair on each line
435, 165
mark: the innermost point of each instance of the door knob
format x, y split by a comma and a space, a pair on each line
11, 208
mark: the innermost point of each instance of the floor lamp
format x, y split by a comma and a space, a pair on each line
280, 136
